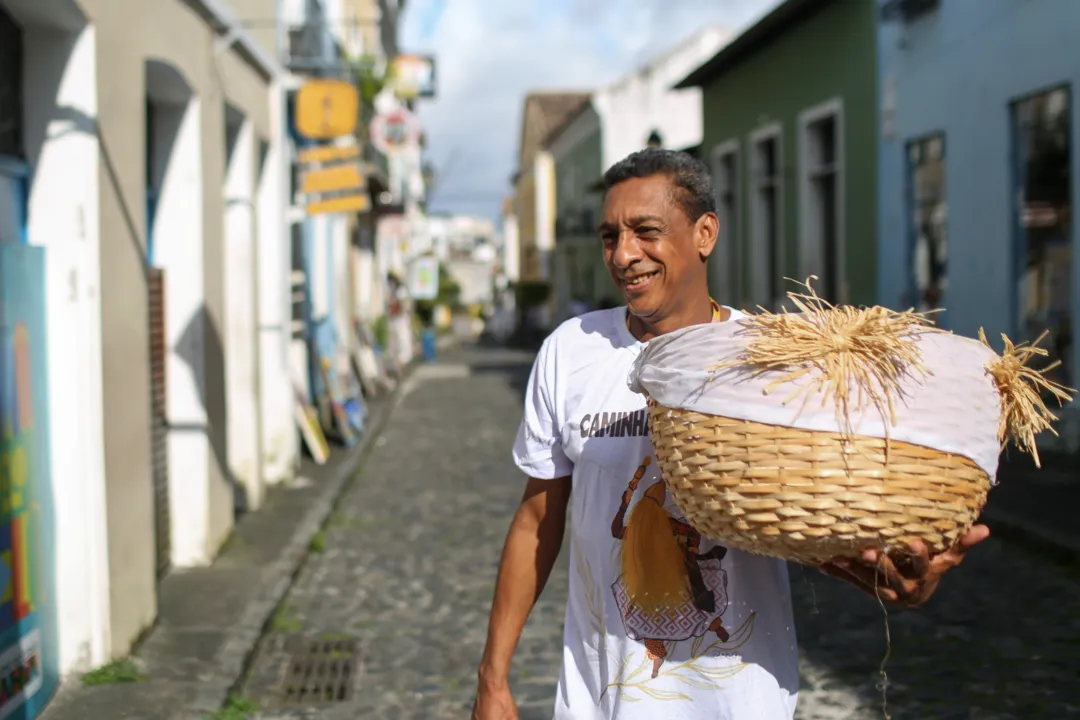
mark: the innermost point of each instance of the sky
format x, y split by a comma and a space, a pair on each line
491, 53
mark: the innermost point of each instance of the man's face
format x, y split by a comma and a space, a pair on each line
651, 248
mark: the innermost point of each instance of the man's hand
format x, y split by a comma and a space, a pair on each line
494, 702
906, 579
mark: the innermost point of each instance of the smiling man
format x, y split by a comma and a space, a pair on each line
722, 647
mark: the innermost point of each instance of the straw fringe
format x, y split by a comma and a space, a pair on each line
870, 349
1023, 412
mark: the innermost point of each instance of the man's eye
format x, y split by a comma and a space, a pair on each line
607, 237
647, 230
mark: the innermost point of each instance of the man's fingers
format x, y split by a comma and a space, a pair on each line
860, 576
973, 537
913, 565
881, 568
955, 555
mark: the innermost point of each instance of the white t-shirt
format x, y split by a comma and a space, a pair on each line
730, 654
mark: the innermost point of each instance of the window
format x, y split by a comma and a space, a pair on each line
725, 264
1042, 279
766, 197
928, 242
821, 246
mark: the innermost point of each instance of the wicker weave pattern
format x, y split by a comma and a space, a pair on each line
811, 496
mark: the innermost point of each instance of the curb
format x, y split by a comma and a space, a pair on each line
237, 651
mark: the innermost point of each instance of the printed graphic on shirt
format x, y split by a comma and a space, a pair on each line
669, 592
615, 424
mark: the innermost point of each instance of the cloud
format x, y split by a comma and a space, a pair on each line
491, 53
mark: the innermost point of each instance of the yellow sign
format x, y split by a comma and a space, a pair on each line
346, 176
346, 203
328, 154
327, 109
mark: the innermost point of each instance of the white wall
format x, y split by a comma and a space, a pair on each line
241, 315
511, 248
279, 438
342, 291
178, 249
319, 267
366, 296
642, 101
61, 104
544, 177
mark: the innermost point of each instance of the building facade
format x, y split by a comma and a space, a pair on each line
534, 182
144, 158
790, 131
511, 243
577, 150
977, 156
645, 101
627, 115
163, 294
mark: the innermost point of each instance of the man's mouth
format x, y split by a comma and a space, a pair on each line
638, 282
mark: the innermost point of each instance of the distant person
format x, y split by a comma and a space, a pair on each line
726, 647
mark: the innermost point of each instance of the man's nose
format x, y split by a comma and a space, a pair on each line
627, 250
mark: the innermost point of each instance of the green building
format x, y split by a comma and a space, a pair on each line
577, 151
790, 131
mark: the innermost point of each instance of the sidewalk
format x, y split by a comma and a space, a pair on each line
1039, 505
210, 619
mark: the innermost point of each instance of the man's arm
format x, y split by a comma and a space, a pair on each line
532, 546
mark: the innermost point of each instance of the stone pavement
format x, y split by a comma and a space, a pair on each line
407, 564
999, 639
1039, 504
410, 555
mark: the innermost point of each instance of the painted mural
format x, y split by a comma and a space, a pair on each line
29, 671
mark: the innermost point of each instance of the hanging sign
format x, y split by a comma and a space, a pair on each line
413, 76
328, 154
335, 178
356, 203
395, 131
327, 109
424, 278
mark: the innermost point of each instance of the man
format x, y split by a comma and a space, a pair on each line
726, 648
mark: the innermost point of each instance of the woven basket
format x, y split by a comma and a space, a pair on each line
811, 496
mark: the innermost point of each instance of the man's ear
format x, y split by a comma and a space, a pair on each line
705, 231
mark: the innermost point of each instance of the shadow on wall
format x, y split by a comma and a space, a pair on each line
80, 122
200, 346
201, 331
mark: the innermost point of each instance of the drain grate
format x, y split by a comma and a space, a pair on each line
320, 672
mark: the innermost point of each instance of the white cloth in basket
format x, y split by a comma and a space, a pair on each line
954, 410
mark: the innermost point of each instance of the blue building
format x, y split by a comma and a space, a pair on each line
976, 166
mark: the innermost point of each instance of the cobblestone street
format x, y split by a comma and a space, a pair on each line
407, 565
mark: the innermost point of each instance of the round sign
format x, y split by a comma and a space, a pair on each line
395, 131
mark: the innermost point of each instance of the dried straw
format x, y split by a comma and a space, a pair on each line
1023, 412
839, 348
